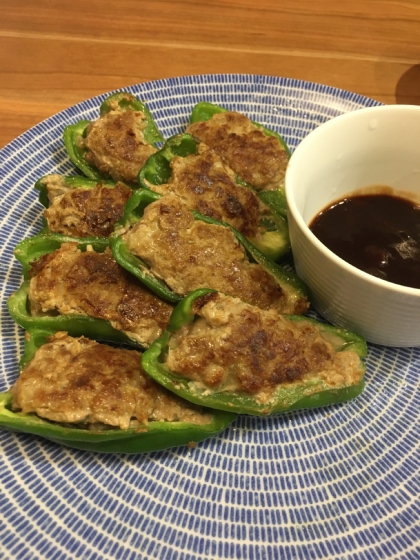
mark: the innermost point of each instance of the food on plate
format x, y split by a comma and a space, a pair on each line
93, 396
229, 355
80, 207
79, 381
259, 156
197, 174
199, 223
176, 251
71, 279
117, 144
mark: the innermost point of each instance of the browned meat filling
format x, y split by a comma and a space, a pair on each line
206, 184
189, 254
116, 144
84, 212
77, 380
234, 346
258, 159
68, 281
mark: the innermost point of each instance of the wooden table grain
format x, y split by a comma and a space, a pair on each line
54, 54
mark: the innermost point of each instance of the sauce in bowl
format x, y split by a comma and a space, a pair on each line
377, 233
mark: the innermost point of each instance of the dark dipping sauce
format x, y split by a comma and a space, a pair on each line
377, 233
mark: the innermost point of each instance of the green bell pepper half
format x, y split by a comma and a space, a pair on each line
133, 212
129, 102
76, 325
296, 396
73, 182
33, 248
204, 111
275, 199
153, 437
275, 242
74, 133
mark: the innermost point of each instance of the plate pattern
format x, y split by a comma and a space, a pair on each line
338, 482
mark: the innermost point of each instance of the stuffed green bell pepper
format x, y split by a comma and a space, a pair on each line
258, 155
229, 355
175, 250
195, 172
77, 286
117, 144
81, 207
87, 395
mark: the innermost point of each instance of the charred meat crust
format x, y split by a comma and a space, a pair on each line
71, 281
235, 346
85, 212
116, 146
258, 159
77, 380
206, 184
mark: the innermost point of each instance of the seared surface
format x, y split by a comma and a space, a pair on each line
77, 380
206, 184
258, 159
84, 212
189, 254
234, 346
116, 145
68, 281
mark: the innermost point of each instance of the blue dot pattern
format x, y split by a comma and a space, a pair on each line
338, 482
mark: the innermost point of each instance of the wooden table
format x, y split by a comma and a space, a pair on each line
54, 54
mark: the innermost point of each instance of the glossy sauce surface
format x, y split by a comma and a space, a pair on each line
377, 233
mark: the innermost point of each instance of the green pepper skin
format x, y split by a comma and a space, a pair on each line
73, 134
133, 212
76, 325
33, 248
156, 436
157, 171
73, 182
292, 397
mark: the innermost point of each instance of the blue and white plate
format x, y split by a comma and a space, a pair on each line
338, 482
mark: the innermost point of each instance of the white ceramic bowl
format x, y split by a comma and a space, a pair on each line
372, 146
